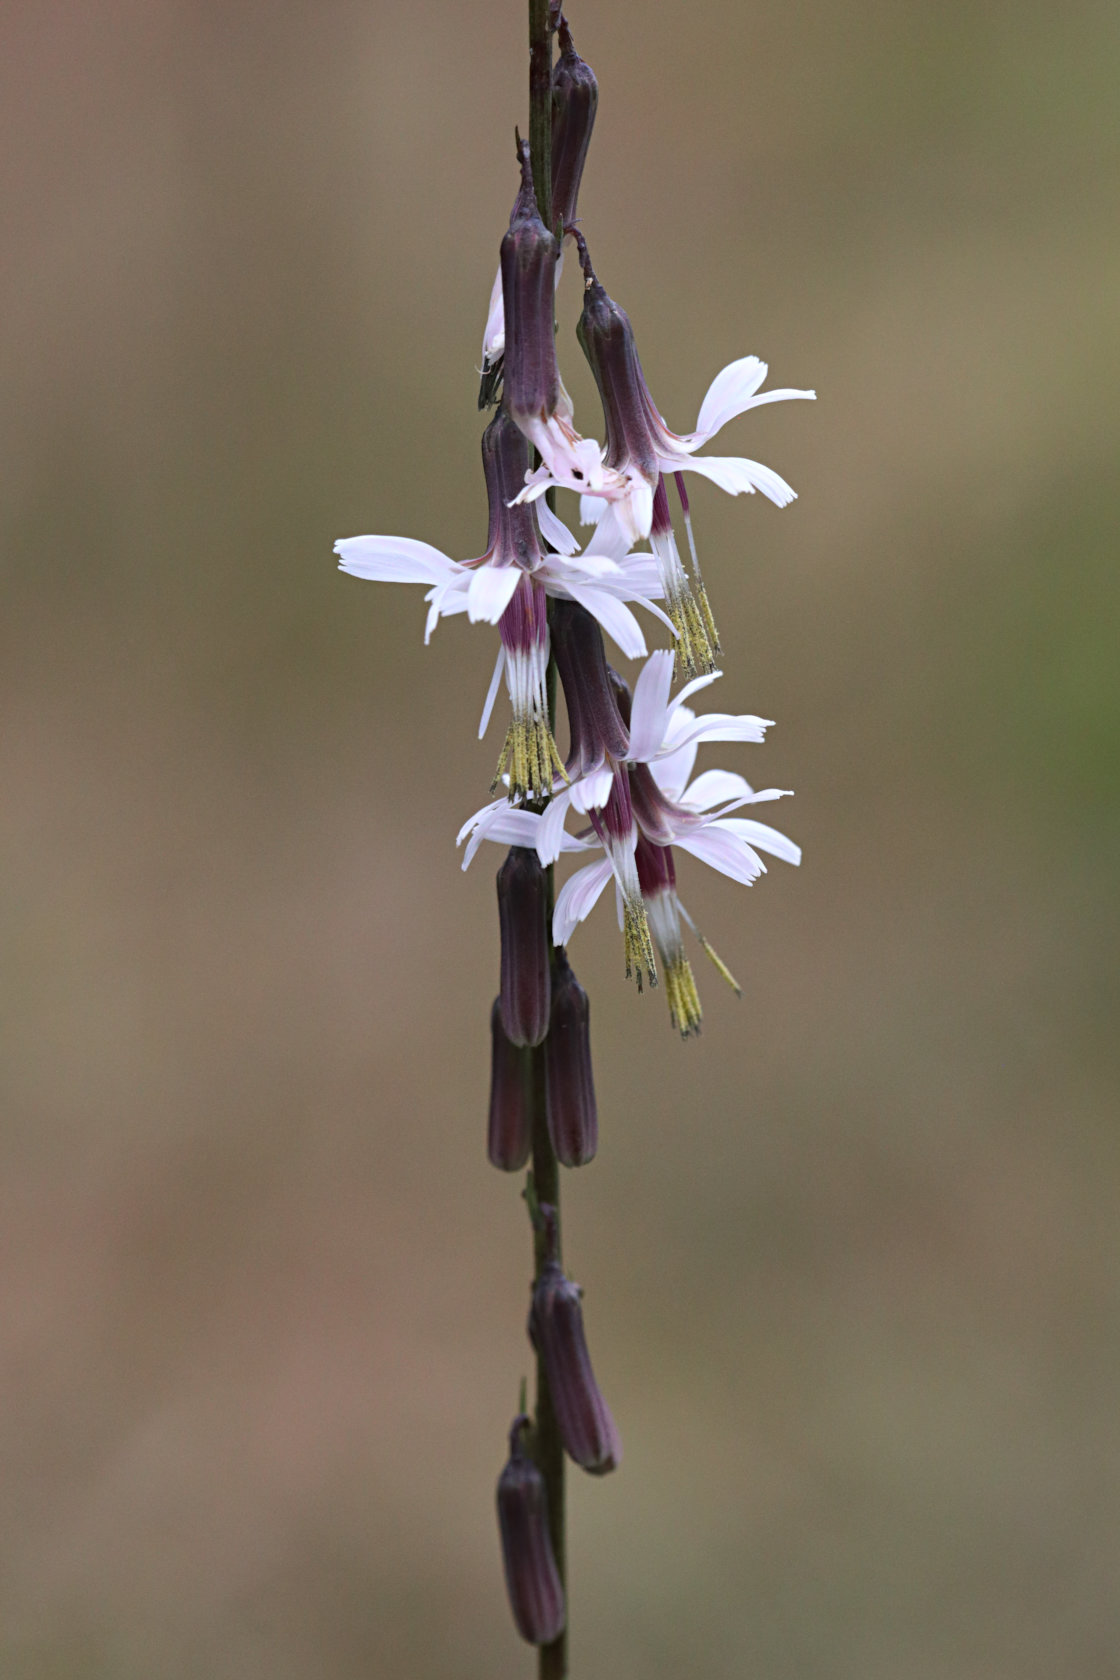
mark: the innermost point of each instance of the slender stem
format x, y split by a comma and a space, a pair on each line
552, 1659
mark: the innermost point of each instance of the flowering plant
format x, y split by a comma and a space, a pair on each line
625, 799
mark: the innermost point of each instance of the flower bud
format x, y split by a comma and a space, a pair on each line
594, 725
526, 993
575, 100
529, 254
536, 1595
583, 1417
511, 1128
573, 1118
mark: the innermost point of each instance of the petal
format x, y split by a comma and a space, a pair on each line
591, 509
649, 712
492, 692
741, 477
671, 773
758, 834
491, 591
724, 852
718, 726
550, 836
578, 897
393, 560
615, 617
729, 393
592, 791
713, 788
507, 824
554, 530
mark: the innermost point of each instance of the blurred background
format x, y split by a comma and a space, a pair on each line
851, 1260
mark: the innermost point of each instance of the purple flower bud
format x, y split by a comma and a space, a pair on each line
586, 1426
529, 255
526, 993
594, 724
536, 1595
573, 1118
607, 340
510, 1133
575, 99
513, 534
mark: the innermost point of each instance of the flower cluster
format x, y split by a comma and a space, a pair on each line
625, 799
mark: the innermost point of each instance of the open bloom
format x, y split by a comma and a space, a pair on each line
650, 805
642, 449
507, 586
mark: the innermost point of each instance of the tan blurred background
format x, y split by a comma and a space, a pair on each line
851, 1261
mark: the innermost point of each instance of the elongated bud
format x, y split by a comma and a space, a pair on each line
575, 100
529, 253
583, 1417
573, 1118
594, 724
511, 1123
536, 1595
526, 989
607, 340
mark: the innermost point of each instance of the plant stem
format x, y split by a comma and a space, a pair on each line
549, 1452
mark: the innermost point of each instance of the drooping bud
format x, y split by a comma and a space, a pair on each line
536, 1595
573, 1117
528, 256
583, 1417
607, 340
575, 100
510, 1133
513, 537
595, 727
526, 993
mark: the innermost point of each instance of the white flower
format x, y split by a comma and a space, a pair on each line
506, 586
639, 810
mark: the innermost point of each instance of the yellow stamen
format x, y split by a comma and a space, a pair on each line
684, 1000
530, 759
639, 945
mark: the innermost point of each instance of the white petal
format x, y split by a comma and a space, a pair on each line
718, 726
592, 791
554, 530
729, 393
697, 683
614, 535
724, 852
578, 897
494, 337
393, 560
507, 824
758, 834
741, 477
550, 836
615, 617
650, 708
712, 788
671, 773
492, 692
491, 591
591, 509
